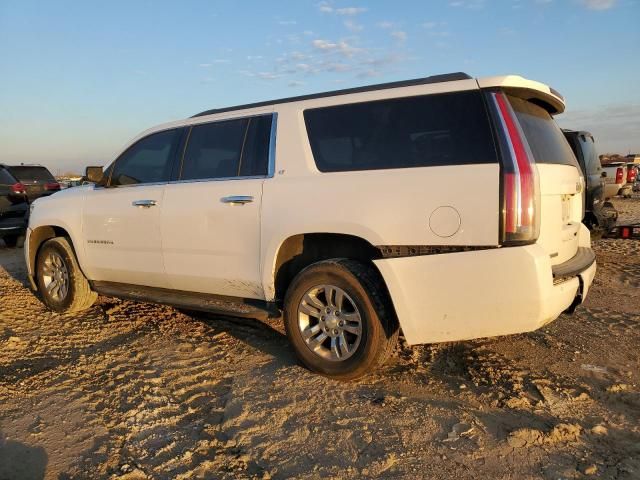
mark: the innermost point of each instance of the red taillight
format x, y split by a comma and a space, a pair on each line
519, 179
17, 188
619, 175
631, 175
52, 186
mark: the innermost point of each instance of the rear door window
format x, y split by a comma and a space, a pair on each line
255, 158
214, 150
546, 140
227, 149
32, 174
147, 161
425, 131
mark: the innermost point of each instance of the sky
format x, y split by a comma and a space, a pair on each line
79, 79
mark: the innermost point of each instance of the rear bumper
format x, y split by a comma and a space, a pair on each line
485, 293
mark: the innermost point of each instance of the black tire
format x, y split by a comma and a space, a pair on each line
366, 289
79, 295
11, 240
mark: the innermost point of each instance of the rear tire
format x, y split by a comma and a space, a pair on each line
62, 285
11, 240
339, 319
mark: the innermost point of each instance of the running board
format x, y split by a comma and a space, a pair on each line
204, 302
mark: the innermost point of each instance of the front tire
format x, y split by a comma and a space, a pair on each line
62, 285
339, 318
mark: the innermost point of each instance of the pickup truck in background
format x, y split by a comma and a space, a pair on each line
633, 170
616, 179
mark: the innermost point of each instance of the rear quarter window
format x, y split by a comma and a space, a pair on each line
546, 140
424, 131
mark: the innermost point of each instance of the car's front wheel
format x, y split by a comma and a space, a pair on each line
339, 319
62, 285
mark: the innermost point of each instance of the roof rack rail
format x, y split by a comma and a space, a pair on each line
447, 77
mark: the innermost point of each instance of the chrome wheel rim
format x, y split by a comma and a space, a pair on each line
330, 322
55, 277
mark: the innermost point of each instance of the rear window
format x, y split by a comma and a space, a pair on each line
545, 138
32, 174
425, 131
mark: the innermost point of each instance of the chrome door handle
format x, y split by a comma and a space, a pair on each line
144, 203
237, 199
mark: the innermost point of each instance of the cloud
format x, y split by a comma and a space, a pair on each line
429, 25
353, 26
598, 4
213, 62
399, 35
340, 47
471, 4
267, 75
350, 10
287, 22
385, 25
326, 7
261, 75
296, 83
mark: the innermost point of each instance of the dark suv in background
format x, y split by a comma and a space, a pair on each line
14, 208
37, 180
598, 214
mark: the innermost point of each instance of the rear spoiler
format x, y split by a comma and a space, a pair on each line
537, 92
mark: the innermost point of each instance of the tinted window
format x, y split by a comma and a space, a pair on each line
147, 161
590, 154
255, 158
448, 129
6, 178
214, 150
545, 138
32, 174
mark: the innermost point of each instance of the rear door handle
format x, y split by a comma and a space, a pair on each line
237, 199
144, 203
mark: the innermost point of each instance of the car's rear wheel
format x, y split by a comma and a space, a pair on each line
339, 318
11, 240
62, 285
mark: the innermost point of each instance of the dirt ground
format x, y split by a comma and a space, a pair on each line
135, 391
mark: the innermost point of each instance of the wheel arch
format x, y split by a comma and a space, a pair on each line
298, 251
38, 237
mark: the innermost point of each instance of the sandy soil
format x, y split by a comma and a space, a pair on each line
133, 391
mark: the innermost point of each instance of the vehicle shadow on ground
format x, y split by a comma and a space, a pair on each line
257, 334
19, 461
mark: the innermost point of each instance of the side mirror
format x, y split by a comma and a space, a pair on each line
604, 174
94, 174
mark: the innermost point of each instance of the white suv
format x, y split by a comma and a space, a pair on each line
448, 207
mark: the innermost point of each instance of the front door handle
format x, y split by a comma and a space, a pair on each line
237, 199
144, 203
